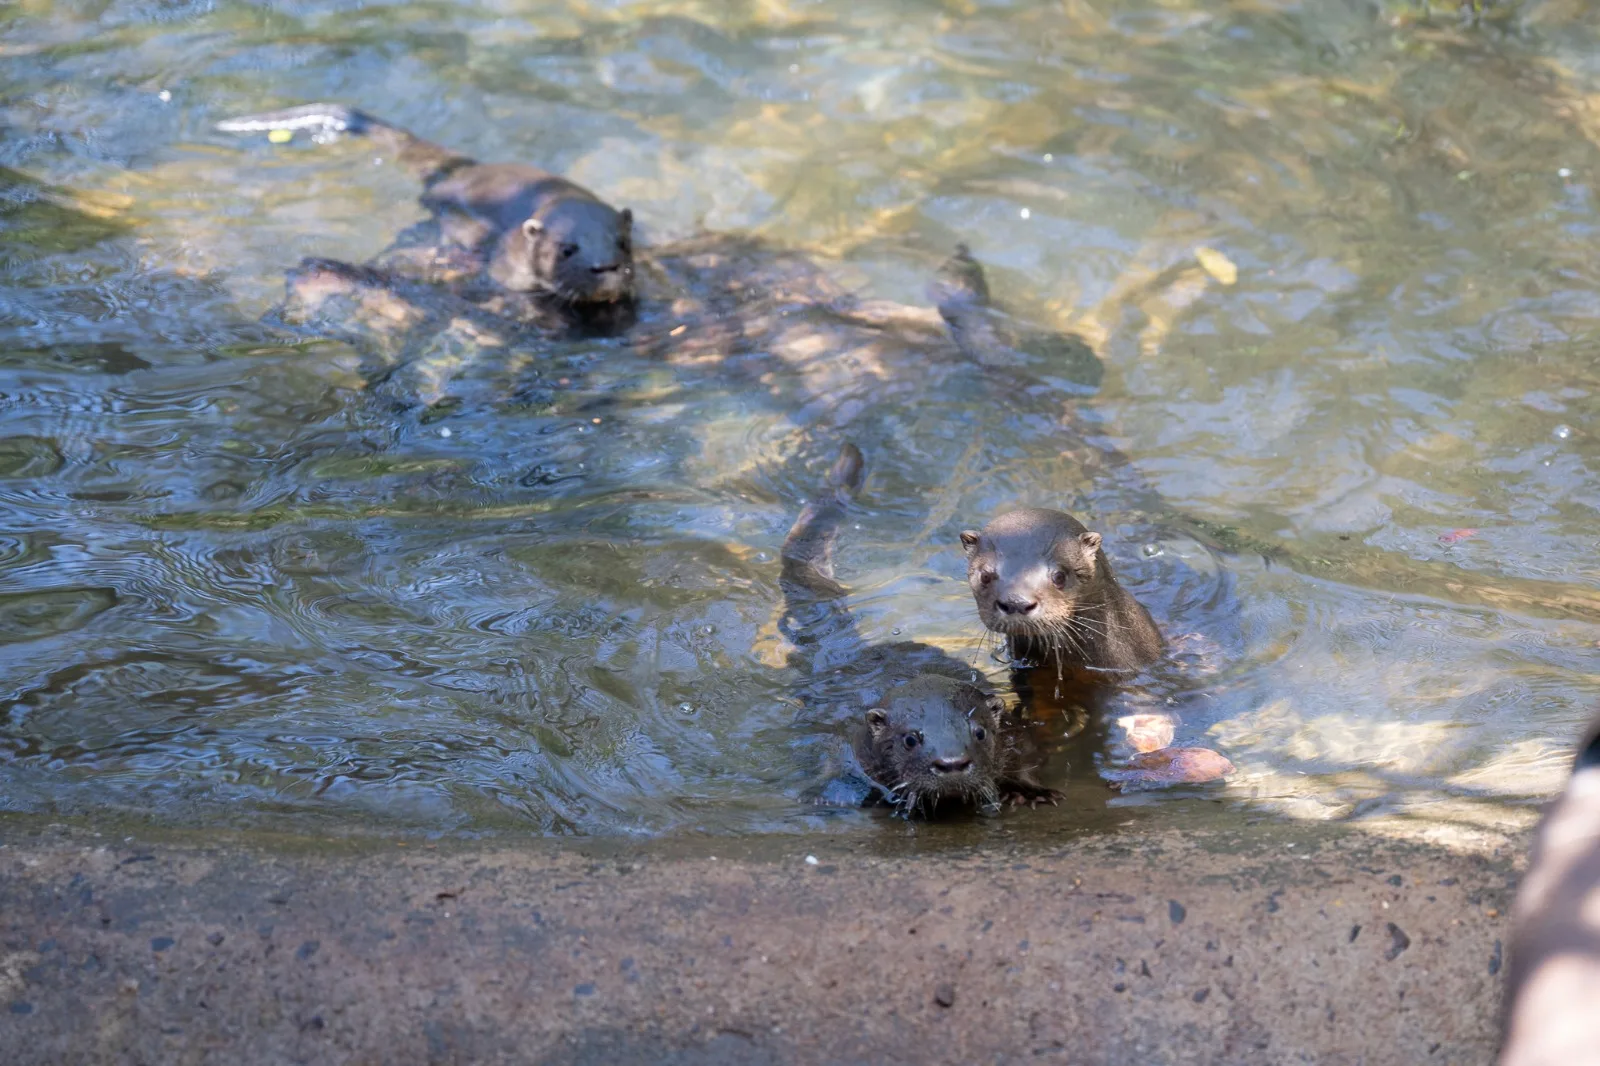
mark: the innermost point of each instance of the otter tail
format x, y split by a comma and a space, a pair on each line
808, 549
960, 284
328, 121
961, 292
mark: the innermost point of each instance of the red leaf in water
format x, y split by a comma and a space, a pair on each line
1457, 535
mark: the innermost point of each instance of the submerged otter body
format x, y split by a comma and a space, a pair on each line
507, 233
995, 339
934, 734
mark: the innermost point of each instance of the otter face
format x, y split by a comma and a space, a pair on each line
581, 251
935, 739
1030, 570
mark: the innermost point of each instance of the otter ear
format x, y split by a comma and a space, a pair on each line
969, 541
627, 219
1090, 541
532, 227
996, 705
877, 720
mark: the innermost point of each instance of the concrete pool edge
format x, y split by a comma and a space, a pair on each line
1289, 942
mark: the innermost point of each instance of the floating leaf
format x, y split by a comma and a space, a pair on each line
1217, 265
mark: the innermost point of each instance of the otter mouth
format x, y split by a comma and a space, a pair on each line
927, 791
604, 295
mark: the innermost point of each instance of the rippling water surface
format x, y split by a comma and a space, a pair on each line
239, 582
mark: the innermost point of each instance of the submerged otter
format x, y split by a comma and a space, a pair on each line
513, 230
934, 733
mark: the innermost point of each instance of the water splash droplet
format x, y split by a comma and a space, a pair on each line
1152, 550
1561, 432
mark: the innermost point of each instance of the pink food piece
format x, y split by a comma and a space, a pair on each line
1170, 766
1148, 732
1456, 535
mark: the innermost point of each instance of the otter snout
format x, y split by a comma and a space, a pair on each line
609, 282
960, 764
1020, 606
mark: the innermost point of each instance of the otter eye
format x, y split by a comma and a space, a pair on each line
986, 577
978, 732
912, 740
1058, 578
568, 251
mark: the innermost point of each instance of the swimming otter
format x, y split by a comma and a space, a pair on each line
934, 732
1041, 579
508, 226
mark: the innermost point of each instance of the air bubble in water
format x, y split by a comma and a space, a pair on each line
1561, 432
1152, 550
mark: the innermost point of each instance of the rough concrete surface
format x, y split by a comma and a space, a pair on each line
1286, 945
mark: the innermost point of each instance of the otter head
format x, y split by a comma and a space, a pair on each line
579, 250
1031, 570
934, 738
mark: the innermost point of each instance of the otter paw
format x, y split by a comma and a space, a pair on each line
1034, 798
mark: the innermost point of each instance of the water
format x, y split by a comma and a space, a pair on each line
238, 585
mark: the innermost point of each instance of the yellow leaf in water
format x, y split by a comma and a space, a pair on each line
281, 136
1217, 265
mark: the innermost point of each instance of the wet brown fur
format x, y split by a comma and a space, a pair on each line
1043, 581
931, 738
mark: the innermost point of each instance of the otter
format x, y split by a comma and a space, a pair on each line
934, 735
511, 230
1041, 580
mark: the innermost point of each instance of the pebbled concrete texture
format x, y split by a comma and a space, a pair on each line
1288, 944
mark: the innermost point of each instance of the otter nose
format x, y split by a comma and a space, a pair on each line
1016, 605
951, 766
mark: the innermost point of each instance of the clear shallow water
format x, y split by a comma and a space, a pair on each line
234, 584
